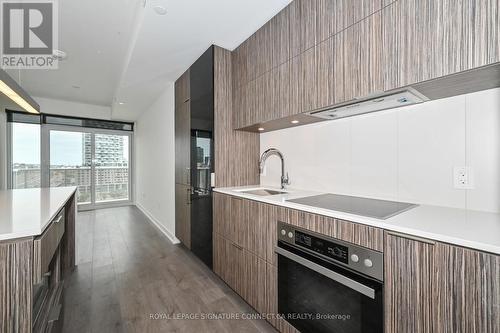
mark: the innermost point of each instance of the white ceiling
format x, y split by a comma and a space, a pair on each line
120, 51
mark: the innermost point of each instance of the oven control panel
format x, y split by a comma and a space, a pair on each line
324, 247
361, 259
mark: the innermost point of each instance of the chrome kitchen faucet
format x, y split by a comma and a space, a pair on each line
262, 162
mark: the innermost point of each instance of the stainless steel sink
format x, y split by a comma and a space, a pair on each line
262, 192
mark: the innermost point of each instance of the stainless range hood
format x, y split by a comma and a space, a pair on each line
373, 103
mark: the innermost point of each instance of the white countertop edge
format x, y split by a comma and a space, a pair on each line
52, 217
27, 233
382, 224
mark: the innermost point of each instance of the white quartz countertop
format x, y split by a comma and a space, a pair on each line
27, 212
473, 229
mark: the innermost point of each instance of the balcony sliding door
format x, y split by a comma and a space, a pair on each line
71, 162
111, 172
96, 161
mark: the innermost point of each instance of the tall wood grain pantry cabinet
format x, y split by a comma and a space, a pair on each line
208, 152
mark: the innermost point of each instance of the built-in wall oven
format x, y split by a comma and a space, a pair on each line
327, 285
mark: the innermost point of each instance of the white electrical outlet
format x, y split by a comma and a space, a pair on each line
463, 178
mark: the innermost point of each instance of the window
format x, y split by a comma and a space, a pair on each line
58, 151
25, 156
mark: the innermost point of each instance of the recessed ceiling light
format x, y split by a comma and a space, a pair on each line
59, 55
160, 10
261, 129
121, 103
295, 121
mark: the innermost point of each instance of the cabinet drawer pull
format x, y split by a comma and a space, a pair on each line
415, 238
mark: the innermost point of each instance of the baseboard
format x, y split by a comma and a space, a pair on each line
157, 224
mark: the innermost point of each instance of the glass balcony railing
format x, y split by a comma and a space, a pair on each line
111, 183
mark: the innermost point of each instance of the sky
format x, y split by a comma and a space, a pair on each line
65, 147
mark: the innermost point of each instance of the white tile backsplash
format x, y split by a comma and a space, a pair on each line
405, 154
483, 149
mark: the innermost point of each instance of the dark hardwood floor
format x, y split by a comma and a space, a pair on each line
127, 271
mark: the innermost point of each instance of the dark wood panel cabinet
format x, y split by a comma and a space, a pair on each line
183, 144
181, 89
183, 214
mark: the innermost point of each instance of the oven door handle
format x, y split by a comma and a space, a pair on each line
354, 285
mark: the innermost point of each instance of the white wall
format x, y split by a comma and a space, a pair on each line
154, 162
67, 108
405, 154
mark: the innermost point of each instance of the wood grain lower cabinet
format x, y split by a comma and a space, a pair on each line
15, 287
407, 285
45, 246
183, 214
243, 271
429, 286
466, 286
254, 284
26, 305
436, 287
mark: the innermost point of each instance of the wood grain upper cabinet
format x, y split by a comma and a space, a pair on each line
280, 37
304, 82
239, 65
427, 39
407, 285
468, 34
410, 39
303, 25
264, 49
328, 78
363, 59
181, 88
466, 286
182, 143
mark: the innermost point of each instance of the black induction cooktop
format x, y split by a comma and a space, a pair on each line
374, 208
